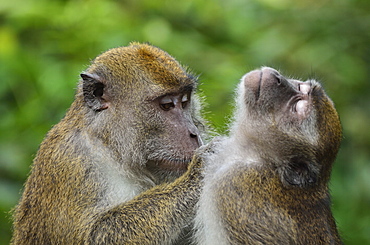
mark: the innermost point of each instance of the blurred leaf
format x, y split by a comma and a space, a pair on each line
44, 45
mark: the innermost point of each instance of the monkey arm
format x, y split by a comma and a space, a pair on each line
156, 216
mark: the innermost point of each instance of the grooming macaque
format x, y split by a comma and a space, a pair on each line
267, 183
107, 173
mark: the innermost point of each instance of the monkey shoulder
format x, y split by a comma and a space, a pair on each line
222, 155
226, 173
227, 168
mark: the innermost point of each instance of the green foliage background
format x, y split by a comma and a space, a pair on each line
44, 45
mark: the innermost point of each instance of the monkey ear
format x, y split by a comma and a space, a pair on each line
299, 173
94, 92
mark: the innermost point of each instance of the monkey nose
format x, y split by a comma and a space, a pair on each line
195, 136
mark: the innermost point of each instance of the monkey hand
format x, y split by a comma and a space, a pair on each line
197, 163
210, 148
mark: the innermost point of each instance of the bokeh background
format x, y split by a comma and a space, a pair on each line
44, 45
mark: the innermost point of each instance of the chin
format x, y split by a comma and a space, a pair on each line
167, 170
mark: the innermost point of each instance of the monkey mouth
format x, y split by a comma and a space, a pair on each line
304, 87
170, 164
301, 102
175, 164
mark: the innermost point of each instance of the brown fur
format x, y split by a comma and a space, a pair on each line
268, 182
91, 182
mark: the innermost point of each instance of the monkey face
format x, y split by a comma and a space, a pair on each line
142, 102
272, 101
268, 92
174, 134
294, 122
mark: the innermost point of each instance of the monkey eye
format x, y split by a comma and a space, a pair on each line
184, 101
166, 103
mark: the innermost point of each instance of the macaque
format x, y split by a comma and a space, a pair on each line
115, 169
267, 182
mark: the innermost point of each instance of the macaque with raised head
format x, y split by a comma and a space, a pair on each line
267, 183
107, 173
